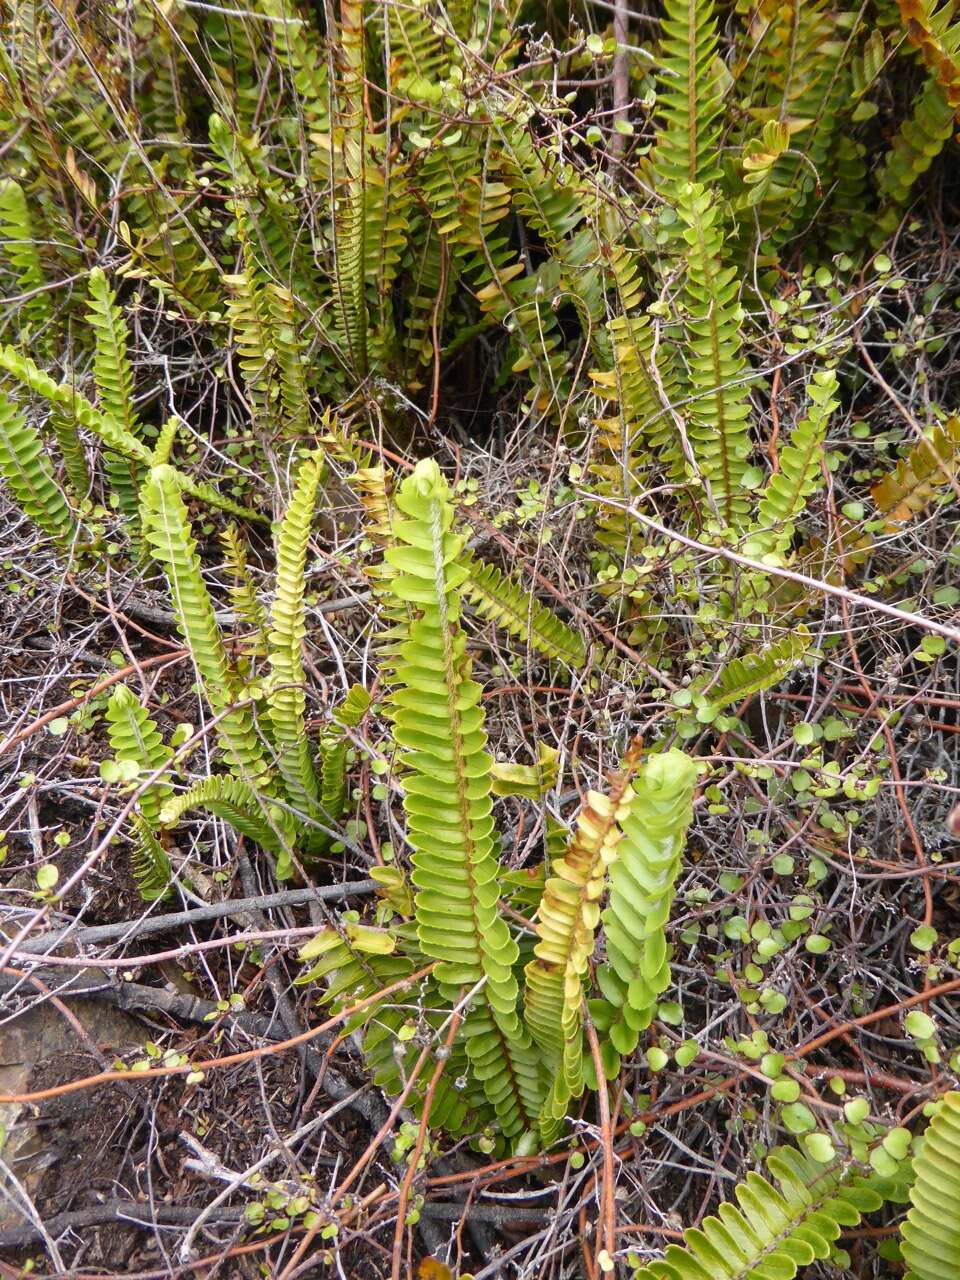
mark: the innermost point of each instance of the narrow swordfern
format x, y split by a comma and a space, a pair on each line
439, 726
642, 880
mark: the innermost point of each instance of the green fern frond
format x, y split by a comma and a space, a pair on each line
243, 593
76, 406
290, 361
239, 805
349, 202
252, 337
166, 439
439, 725
26, 468
206, 493
720, 412
149, 863
355, 705
112, 374
786, 493
642, 880
356, 961
18, 244
286, 698
913, 149
169, 536
754, 672
333, 748
72, 452
502, 601
134, 735
931, 1233
530, 780
690, 101
781, 1224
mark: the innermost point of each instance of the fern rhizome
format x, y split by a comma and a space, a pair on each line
529, 435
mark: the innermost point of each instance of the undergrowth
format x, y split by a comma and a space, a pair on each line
505, 458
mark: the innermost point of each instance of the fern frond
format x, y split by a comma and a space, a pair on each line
72, 452
333, 748
286, 699
149, 863
18, 244
502, 601
566, 922
786, 493
690, 101
928, 29
719, 415
754, 672
439, 724
356, 961
134, 735
166, 439
349, 209
355, 705
26, 468
931, 1234
914, 147
932, 465
289, 356
206, 493
243, 592
253, 339
781, 1224
168, 534
642, 880
76, 406
112, 374
531, 780
238, 804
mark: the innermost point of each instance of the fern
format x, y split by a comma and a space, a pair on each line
928, 29
439, 724
349, 210
290, 361
916, 145
930, 1235
334, 745
743, 677
781, 1224
642, 882
168, 534
135, 736
26, 468
286, 699
931, 465
500, 600
719, 414
355, 705
18, 244
690, 101
356, 961
149, 863
243, 593
785, 495
114, 382
64, 394
567, 919
238, 804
